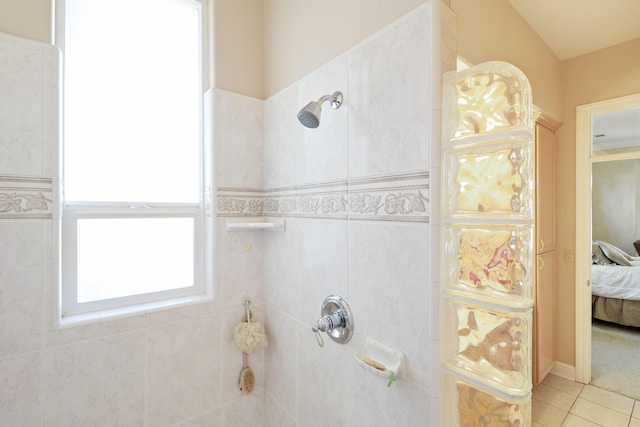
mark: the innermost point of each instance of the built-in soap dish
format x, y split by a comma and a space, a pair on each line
380, 360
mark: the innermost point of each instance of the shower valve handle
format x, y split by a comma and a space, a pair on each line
330, 321
336, 321
327, 323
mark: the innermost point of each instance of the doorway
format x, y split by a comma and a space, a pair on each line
586, 156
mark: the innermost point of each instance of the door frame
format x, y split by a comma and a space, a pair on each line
584, 161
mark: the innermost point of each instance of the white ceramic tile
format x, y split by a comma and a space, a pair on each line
608, 399
322, 266
323, 150
22, 92
599, 414
389, 290
322, 381
247, 411
209, 419
240, 264
281, 358
434, 315
50, 111
557, 398
389, 82
22, 267
185, 369
20, 398
435, 376
281, 261
443, 56
275, 416
372, 404
96, 382
57, 337
434, 412
434, 253
546, 414
238, 140
172, 313
232, 357
283, 136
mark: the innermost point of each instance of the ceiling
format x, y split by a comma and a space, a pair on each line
615, 131
575, 27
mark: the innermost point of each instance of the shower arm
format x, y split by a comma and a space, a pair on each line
335, 99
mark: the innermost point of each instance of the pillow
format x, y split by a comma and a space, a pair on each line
597, 256
617, 255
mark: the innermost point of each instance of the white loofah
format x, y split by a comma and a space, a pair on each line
250, 336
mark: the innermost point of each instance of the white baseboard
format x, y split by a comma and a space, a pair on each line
564, 370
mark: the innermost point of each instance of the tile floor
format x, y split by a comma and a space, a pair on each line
558, 402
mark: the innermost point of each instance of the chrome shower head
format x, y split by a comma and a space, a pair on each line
309, 116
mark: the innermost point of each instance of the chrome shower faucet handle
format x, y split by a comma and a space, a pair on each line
336, 321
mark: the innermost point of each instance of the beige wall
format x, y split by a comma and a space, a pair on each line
30, 19
491, 30
239, 46
605, 74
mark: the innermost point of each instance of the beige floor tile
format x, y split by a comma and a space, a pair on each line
634, 422
552, 396
599, 414
563, 384
607, 399
546, 415
573, 421
636, 410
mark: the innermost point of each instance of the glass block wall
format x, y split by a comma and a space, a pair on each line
487, 237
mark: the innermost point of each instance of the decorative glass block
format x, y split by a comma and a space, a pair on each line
469, 405
490, 98
488, 345
490, 180
489, 262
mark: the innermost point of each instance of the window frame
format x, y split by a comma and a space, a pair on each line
70, 312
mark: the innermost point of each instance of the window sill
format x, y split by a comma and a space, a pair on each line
73, 320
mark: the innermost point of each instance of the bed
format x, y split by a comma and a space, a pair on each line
615, 285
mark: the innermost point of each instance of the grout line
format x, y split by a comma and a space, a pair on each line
572, 405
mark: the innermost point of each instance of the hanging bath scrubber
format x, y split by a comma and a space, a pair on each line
247, 337
247, 377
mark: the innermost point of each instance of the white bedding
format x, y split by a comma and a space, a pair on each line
615, 281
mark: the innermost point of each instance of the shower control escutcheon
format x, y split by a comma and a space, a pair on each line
336, 321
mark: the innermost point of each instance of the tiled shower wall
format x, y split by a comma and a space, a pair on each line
360, 198
359, 195
171, 367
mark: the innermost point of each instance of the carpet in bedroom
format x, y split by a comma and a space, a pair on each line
615, 355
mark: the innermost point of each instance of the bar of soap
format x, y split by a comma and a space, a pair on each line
374, 364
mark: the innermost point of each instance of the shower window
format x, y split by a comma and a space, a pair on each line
134, 195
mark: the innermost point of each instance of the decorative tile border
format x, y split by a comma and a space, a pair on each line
402, 197
25, 197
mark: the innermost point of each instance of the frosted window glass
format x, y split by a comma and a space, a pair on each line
132, 101
130, 256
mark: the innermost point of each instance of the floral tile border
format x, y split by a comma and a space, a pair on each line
402, 197
25, 197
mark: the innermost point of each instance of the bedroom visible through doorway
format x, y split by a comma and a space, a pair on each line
609, 213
